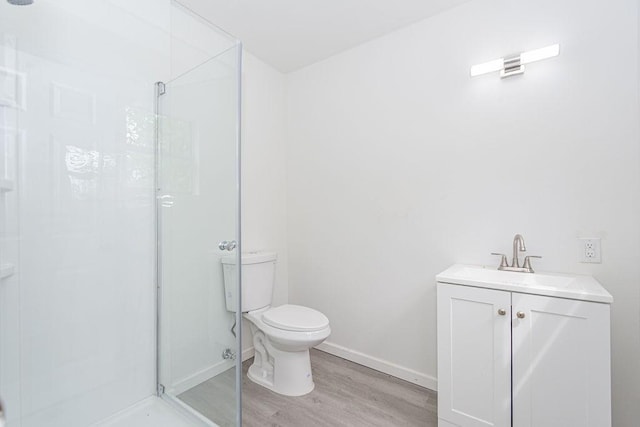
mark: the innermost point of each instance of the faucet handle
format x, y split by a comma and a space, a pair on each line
503, 261
527, 262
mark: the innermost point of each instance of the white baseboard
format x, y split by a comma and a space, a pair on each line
206, 374
247, 353
392, 369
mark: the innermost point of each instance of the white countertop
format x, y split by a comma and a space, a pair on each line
571, 286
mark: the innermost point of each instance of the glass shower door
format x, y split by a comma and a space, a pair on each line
198, 210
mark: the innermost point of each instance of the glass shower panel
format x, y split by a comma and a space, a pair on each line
77, 205
198, 208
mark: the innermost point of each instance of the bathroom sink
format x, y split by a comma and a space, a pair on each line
572, 286
497, 276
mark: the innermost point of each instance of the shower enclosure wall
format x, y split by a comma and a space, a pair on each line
198, 217
92, 184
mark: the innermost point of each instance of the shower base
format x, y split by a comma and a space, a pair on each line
151, 412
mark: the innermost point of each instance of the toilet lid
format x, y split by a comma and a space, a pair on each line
295, 318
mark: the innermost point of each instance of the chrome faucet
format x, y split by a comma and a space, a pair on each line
518, 242
518, 246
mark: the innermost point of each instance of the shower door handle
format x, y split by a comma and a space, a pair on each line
227, 245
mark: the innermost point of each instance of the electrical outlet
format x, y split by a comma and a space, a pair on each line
590, 250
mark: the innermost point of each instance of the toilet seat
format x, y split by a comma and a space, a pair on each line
298, 340
295, 318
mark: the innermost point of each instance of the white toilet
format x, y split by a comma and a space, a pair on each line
282, 336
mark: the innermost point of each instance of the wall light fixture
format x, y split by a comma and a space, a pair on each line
514, 64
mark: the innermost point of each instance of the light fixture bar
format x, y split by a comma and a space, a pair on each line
540, 54
487, 67
514, 64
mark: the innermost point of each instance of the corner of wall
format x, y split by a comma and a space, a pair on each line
264, 200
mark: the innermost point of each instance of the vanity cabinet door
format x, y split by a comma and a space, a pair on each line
561, 362
474, 356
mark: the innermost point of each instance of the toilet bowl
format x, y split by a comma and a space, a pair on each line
283, 335
282, 361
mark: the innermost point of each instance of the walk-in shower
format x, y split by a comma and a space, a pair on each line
115, 193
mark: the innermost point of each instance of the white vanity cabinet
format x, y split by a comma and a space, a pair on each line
512, 358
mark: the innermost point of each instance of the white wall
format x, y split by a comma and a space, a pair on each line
399, 165
264, 202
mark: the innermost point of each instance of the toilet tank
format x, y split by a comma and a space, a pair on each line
258, 277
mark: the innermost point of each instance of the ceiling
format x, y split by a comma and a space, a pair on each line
290, 34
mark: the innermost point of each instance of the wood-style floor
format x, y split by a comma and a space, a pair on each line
346, 395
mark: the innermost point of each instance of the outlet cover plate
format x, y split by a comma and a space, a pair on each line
589, 250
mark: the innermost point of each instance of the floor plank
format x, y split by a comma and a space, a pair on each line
346, 395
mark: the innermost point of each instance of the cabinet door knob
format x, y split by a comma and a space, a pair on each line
502, 311
520, 314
